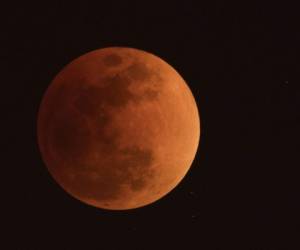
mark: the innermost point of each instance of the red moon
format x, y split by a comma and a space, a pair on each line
118, 128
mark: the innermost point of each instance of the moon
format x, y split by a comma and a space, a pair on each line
118, 128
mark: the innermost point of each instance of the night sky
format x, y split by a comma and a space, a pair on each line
243, 187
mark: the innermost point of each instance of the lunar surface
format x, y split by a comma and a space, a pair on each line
118, 128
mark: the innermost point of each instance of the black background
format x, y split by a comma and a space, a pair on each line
243, 187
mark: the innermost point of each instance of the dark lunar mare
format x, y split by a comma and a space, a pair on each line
73, 138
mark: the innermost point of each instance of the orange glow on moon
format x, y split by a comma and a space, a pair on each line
118, 128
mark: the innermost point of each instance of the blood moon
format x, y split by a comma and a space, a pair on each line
118, 128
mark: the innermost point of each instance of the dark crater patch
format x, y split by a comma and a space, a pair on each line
87, 102
139, 71
117, 92
137, 184
97, 105
70, 137
150, 78
133, 170
114, 93
136, 167
105, 187
136, 156
112, 60
151, 94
